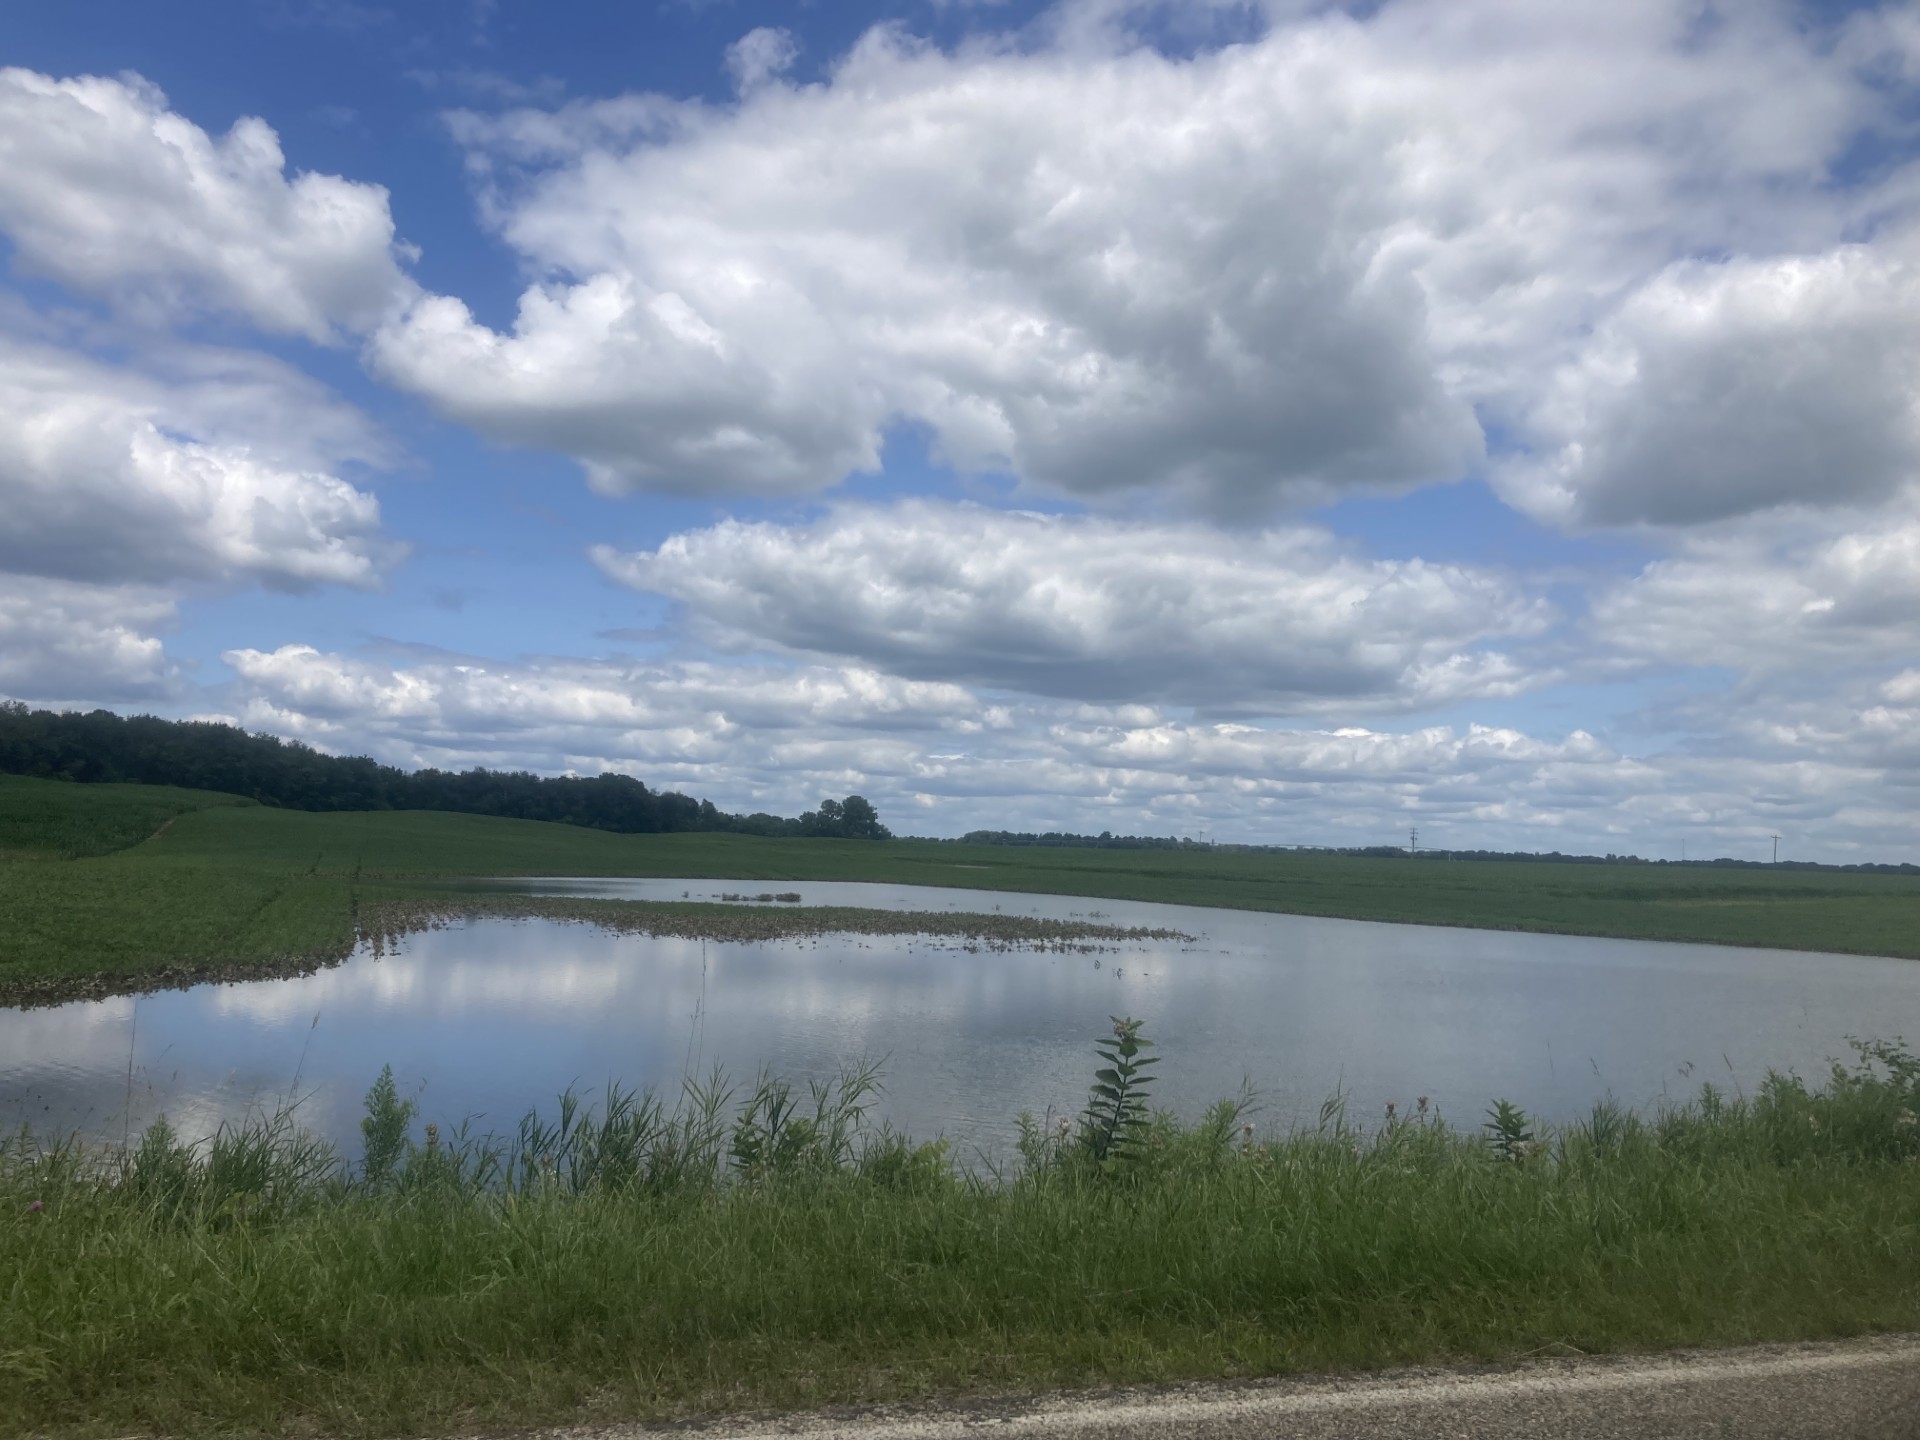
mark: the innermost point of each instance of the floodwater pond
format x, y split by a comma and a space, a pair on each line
483, 1019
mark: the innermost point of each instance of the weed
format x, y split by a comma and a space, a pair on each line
384, 1130
1115, 1120
1509, 1131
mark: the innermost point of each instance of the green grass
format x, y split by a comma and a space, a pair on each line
229, 884
647, 1262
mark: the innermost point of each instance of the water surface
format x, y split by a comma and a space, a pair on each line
486, 1018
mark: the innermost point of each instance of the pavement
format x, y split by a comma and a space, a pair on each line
1848, 1390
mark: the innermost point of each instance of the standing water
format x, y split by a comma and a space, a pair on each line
485, 1019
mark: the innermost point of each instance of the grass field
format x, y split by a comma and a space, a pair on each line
641, 1261
228, 884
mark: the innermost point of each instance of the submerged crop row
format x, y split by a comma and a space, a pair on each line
387, 922
727, 1250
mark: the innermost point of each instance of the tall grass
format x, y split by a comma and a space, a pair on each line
728, 1248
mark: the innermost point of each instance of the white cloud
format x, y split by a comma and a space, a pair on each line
110, 474
934, 757
759, 55
1058, 264
1789, 599
455, 703
66, 642
1720, 390
107, 190
1283, 620
1285, 268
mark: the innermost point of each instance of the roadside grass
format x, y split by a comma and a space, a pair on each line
230, 885
649, 1259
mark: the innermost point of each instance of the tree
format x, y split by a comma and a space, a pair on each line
851, 819
860, 821
828, 822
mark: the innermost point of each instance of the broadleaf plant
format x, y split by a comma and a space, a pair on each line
1115, 1121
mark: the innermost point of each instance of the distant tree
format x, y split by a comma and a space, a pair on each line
825, 823
851, 819
860, 821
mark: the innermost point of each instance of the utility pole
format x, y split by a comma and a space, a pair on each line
1776, 849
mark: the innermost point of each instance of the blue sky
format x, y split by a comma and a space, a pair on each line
1284, 422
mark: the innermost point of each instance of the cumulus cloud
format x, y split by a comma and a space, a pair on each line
684, 724
1097, 609
1285, 268
110, 192
1786, 600
1064, 266
111, 475
65, 642
939, 760
1721, 390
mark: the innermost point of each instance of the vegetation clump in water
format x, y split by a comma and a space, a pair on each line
384, 923
772, 1247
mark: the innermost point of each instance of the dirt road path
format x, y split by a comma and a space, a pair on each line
1853, 1390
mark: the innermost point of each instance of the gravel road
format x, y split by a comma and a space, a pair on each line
1851, 1390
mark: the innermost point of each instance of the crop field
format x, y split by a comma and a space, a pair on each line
116, 886
42, 820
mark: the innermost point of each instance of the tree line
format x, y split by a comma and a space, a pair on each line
100, 746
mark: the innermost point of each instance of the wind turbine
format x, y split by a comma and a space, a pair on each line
1776, 849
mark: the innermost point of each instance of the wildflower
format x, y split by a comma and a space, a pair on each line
1421, 1104
1390, 1109
36, 1207
433, 1137
1907, 1120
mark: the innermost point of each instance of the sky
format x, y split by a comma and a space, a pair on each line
1292, 423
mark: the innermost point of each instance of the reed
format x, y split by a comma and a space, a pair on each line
761, 1245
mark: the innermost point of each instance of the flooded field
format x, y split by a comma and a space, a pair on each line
483, 1018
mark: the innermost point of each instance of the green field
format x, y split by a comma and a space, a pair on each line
94, 892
